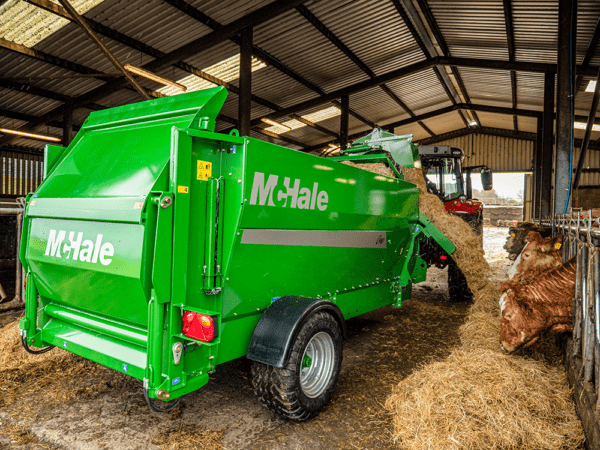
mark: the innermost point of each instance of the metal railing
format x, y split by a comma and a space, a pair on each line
581, 231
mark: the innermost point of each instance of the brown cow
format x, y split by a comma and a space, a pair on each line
517, 237
532, 308
539, 255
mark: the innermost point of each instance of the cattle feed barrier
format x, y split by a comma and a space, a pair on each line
581, 231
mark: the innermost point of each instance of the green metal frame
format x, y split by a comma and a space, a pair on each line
377, 158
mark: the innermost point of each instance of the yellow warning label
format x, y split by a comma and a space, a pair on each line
557, 245
31, 203
138, 205
182, 189
204, 170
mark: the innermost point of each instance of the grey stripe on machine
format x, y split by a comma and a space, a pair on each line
316, 238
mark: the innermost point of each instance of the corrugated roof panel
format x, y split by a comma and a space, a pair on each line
14, 64
298, 44
273, 85
420, 91
213, 55
445, 123
393, 63
151, 21
485, 85
311, 136
226, 12
530, 90
535, 30
415, 129
273, 140
72, 44
588, 14
377, 106
373, 30
492, 120
26, 103
27, 25
230, 108
376, 33
227, 70
472, 29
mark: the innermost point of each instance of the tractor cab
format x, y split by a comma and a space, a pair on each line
442, 168
443, 171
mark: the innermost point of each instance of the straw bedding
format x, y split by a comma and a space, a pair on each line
58, 377
49, 376
190, 439
480, 397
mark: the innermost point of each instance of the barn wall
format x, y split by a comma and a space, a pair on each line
501, 154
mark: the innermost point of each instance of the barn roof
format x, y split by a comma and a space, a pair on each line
432, 68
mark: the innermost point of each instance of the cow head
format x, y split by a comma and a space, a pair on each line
538, 256
518, 326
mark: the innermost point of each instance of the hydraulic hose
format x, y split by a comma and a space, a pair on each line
34, 352
158, 409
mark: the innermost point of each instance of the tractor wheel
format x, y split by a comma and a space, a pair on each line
458, 289
300, 389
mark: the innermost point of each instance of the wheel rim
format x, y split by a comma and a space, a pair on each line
317, 365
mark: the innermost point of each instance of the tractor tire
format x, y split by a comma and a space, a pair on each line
458, 289
300, 389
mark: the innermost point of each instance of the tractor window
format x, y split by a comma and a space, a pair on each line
444, 174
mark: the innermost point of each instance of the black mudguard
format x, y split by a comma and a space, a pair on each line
280, 324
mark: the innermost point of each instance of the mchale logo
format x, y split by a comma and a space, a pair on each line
86, 251
301, 198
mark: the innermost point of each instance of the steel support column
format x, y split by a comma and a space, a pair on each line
245, 96
548, 147
344, 122
567, 13
537, 170
67, 124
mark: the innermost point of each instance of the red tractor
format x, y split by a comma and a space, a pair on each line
443, 171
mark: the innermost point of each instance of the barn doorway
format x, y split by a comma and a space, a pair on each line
509, 201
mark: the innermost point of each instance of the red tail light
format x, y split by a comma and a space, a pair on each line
25, 282
443, 257
201, 327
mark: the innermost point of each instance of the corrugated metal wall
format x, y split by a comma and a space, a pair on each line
501, 154
21, 173
592, 161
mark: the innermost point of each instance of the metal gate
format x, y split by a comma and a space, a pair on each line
582, 241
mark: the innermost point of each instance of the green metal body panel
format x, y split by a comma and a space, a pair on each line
149, 213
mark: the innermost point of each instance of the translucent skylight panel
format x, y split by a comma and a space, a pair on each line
317, 116
26, 24
227, 70
591, 87
583, 126
324, 114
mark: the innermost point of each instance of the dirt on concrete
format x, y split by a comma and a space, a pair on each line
383, 347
